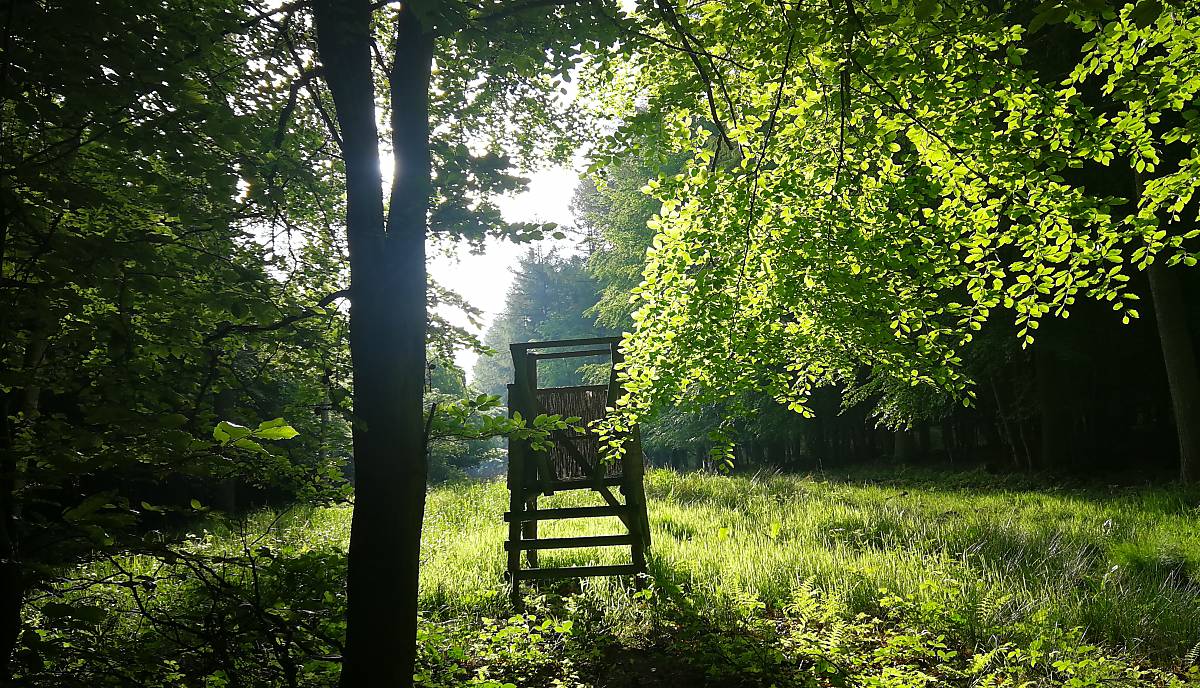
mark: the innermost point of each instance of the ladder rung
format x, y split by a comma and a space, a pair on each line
583, 483
578, 571
562, 543
568, 512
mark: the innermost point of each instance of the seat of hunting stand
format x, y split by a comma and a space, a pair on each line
589, 403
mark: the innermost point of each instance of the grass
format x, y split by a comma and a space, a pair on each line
1122, 564
925, 579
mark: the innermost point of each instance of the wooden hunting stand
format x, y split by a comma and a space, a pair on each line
573, 463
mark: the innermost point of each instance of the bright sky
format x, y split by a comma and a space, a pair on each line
483, 280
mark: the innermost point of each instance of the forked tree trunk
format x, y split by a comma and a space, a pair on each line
387, 335
1179, 357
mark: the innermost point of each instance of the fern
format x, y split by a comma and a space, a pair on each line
833, 638
804, 602
1192, 655
989, 606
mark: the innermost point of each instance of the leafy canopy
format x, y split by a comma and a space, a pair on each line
867, 184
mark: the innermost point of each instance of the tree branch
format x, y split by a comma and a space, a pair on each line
293, 97
701, 71
229, 328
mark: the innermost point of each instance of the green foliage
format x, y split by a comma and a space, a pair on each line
232, 434
612, 211
496, 103
149, 283
521, 650
171, 261
462, 432
866, 186
253, 602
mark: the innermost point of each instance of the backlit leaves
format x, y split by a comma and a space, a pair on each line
879, 193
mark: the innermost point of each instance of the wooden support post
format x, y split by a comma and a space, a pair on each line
614, 386
635, 497
516, 501
538, 472
633, 470
537, 468
530, 530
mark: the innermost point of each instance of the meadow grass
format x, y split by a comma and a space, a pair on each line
767, 577
1123, 564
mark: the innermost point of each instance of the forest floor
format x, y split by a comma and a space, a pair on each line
917, 579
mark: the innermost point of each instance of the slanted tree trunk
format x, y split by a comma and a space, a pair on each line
387, 334
1179, 357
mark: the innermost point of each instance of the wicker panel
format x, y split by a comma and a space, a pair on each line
587, 402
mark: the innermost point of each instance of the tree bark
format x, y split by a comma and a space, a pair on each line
12, 588
902, 446
1179, 357
13, 575
387, 334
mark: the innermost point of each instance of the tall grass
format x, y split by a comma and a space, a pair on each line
1124, 565
998, 568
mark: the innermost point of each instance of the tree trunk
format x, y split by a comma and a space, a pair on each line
1179, 357
902, 446
13, 576
1053, 414
387, 334
12, 588
924, 442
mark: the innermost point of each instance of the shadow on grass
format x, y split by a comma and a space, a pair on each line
661, 637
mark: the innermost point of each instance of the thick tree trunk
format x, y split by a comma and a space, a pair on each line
387, 335
1179, 356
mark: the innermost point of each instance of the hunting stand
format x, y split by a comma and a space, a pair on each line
574, 462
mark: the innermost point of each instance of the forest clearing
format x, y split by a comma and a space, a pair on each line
599, 343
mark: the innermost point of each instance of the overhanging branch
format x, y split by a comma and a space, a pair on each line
312, 311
